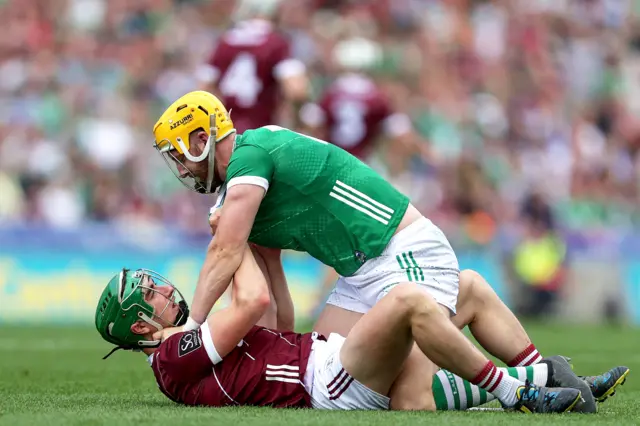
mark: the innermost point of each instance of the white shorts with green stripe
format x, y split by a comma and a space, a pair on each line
420, 253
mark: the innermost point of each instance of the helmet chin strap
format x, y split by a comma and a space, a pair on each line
149, 343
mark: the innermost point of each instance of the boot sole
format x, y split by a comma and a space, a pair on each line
612, 391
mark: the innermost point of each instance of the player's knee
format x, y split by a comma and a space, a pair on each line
470, 286
476, 288
467, 283
411, 299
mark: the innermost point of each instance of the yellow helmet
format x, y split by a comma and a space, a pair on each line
193, 111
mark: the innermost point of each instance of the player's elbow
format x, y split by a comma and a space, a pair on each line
256, 302
263, 301
255, 297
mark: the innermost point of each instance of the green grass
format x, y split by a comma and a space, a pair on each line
55, 376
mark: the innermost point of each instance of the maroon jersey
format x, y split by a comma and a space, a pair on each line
247, 62
265, 369
354, 110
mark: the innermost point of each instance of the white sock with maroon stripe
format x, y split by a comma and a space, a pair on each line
497, 382
529, 356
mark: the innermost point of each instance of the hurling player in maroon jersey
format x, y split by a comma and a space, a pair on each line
231, 361
353, 112
251, 68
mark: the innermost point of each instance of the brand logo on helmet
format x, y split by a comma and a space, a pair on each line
183, 120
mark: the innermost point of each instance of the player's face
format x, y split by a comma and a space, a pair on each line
187, 168
160, 297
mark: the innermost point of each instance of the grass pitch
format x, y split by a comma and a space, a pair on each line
55, 376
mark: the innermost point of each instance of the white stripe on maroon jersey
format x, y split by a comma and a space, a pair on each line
282, 379
283, 373
279, 335
283, 367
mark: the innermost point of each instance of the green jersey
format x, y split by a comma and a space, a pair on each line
320, 199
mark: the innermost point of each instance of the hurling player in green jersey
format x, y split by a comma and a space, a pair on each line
284, 190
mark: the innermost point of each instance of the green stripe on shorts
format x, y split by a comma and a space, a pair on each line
402, 266
404, 256
417, 268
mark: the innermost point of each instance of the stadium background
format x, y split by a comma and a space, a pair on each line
531, 109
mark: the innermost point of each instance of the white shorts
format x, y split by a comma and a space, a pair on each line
419, 253
331, 387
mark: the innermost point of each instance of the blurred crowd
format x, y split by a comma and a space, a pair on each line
531, 108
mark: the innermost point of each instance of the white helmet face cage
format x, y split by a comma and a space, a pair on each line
176, 298
182, 172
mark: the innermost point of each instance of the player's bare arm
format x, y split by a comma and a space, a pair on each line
279, 288
226, 250
269, 318
280, 313
249, 302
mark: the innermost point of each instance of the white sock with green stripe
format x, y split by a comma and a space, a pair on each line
451, 392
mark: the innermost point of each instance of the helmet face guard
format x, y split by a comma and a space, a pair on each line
144, 310
182, 172
126, 300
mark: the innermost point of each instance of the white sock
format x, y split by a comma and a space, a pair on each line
506, 390
536, 374
499, 383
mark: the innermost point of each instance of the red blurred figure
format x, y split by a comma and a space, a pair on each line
251, 68
353, 112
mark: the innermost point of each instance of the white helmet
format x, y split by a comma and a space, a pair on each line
357, 54
251, 9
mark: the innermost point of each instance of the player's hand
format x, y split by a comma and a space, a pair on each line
165, 333
214, 218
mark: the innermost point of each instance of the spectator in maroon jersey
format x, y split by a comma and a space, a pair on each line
353, 112
251, 68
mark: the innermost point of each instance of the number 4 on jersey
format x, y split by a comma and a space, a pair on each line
241, 80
